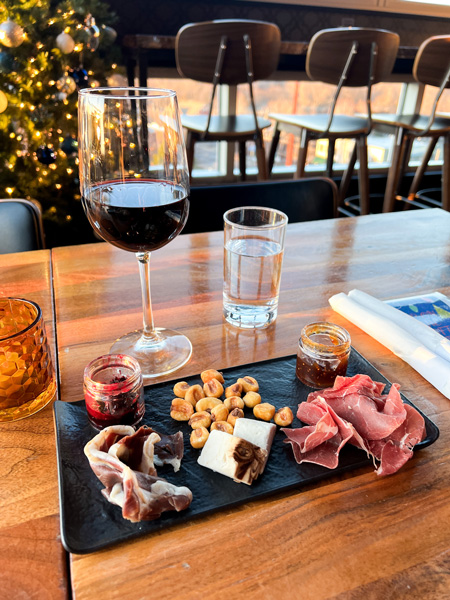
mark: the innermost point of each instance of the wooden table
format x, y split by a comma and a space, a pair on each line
33, 562
357, 536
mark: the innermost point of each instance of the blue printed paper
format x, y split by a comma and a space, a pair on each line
432, 309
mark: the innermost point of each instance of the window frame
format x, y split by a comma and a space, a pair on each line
406, 7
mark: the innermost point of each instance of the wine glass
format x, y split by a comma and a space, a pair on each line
134, 184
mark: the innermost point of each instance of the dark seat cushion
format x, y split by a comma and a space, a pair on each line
18, 228
301, 199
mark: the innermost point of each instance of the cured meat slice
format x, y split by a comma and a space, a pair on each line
309, 438
356, 411
358, 400
396, 450
169, 450
321, 441
122, 459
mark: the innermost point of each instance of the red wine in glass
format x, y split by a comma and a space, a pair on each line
139, 216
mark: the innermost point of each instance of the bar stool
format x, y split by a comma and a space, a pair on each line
431, 67
228, 52
351, 57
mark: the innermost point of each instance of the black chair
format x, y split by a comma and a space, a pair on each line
301, 200
21, 226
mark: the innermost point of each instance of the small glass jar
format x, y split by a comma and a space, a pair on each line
323, 352
113, 391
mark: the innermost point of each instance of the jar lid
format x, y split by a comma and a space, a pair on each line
325, 339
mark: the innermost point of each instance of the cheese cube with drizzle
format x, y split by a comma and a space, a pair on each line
256, 432
233, 457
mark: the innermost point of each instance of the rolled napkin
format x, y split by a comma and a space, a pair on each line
398, 333
433, 340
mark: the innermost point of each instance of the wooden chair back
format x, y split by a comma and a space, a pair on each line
21, 226
432, 62
308, 199
329, 51
197, 47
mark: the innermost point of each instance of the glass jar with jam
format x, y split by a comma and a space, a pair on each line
323, 352
113, 391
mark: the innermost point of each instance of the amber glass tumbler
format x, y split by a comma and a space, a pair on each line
27, 379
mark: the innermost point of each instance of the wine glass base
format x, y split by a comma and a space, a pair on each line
159, 356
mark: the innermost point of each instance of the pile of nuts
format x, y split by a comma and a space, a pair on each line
203, 408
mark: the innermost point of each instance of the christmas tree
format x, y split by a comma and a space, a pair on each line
49, 50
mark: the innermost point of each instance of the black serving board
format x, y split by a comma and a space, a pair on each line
89, 522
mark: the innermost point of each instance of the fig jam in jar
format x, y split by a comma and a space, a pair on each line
323, 351
113, 391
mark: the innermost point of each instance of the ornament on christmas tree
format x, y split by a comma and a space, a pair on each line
117, 80
66, 84
8, 63
109, 34
69, 145
11, 34
46, 155
80, 77
65, 43
3, 102
92, 33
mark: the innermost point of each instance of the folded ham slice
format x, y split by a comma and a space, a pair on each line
123, 460
355, 410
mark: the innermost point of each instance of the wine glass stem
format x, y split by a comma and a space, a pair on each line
144, 273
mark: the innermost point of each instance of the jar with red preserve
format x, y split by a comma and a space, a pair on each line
113, 391
323, 352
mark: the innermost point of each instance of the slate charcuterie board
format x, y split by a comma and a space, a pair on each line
90, 523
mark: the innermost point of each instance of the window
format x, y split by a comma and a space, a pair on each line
432, 8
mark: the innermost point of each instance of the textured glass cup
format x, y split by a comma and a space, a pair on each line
253, 255
27, 380
134, 183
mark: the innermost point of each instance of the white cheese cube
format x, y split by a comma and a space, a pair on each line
232, 456
259, 433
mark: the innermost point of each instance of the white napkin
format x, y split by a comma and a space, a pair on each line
424, 349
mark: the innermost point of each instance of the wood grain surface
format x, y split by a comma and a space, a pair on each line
33, 562
351, 537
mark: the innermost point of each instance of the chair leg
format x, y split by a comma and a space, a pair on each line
394, 170
446, 174
363, 176
242, 161
421, 169
273, 149
261, 160
346, 177
190, 142
330, 157
302, 154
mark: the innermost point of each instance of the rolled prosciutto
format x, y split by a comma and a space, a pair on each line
124, 461
356, 411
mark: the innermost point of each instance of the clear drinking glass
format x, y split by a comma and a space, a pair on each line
253, 255
134, 184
